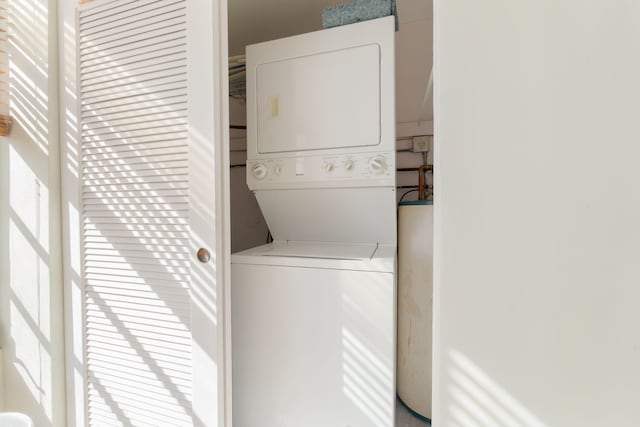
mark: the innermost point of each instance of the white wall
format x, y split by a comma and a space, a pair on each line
414, 59
30, 239
248, 227
537, 210
414, 101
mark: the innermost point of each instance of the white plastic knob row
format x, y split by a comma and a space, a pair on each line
377, 165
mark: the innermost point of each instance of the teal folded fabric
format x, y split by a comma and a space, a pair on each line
357, 11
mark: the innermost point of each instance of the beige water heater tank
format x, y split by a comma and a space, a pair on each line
415, 305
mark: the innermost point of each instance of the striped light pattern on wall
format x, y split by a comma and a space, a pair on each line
5, 120
135, 213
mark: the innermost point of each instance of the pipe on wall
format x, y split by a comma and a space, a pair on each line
421, 171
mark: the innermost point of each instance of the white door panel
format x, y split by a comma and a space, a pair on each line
147, 129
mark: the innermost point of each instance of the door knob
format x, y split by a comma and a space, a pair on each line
203, 255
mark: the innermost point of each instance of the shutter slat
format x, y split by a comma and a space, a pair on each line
130, 61
110, 166
116, 306
134, 119
147, 274
105, 39
131, 86
157, 150
152, 346
159, 140
150, 255
135, 234
136, 415
90, 108
101, 192
158, 40
151, 403
95, 109
139, 319
112, 11
135, 330
149, 90
153, 14
138, 227
168, 62
136, 396
136, 282
114, 292
133, 218
175, 172
114, 160
111, 331
134, 112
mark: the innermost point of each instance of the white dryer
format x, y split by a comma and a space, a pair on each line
313, 314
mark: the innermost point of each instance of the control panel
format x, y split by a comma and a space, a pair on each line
352, 170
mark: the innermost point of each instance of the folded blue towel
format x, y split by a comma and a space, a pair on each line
357, 11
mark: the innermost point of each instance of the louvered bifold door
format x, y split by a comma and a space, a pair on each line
135, 212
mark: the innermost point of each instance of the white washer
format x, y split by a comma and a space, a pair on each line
313, 314
313, 329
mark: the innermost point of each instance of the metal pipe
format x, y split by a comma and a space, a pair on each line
413, 186
428, 168
421, 171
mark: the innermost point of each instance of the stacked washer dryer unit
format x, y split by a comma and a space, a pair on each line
314, 312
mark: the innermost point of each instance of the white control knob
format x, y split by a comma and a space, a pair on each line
378, 165
277, 169
328, 166
259, 171
348, 165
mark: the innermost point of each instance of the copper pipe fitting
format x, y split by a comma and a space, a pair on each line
421, 171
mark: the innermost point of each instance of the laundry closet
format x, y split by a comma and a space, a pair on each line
251, 23
290, 234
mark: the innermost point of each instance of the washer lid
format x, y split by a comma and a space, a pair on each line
344, 251
339, 256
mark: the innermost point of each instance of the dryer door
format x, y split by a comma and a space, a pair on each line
324, 92
319, 101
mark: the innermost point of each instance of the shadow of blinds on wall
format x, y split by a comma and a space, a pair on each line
133, 113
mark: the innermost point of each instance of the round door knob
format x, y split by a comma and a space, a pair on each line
328, 167
203, 255
378, 165
348, 165
259, 171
